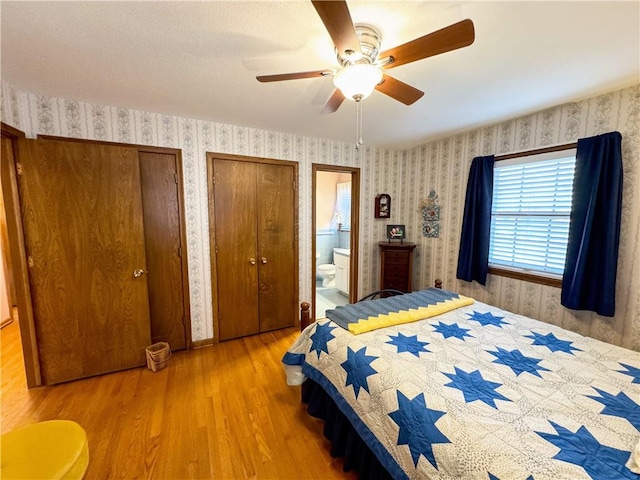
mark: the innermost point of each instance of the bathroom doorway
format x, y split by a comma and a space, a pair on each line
335, 220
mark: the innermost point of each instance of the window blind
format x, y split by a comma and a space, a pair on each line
530, 213
343, 204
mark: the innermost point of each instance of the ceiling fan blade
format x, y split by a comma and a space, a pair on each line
399, 90
294, 76
337, 20
334, 102
458, 35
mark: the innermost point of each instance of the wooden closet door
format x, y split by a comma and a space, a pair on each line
82, 216
236, 248
276, 235
158, 172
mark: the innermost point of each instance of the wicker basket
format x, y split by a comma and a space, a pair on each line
158, 355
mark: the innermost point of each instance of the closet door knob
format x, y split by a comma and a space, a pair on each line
263, 260
138, 272
252, 261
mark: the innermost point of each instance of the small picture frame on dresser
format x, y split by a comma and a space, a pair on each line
395, 232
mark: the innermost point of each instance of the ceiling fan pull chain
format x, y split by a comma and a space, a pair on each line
359, 141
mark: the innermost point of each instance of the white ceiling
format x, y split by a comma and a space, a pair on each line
200, 60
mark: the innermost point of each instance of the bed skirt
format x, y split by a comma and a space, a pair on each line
345, 441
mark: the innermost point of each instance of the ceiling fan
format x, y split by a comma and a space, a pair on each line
357, 48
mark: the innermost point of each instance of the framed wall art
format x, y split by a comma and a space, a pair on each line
431, 216
395, 232
382, 206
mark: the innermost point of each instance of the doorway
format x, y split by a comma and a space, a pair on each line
335, 220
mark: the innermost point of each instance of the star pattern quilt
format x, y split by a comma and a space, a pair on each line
480, 393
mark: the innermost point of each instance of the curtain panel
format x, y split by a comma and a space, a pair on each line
589, 280
473, 259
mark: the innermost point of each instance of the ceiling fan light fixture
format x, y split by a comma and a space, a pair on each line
358, 81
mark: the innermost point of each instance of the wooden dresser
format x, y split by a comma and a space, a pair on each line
396, 260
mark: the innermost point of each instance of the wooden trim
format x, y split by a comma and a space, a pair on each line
247, 158
354, 240
183, 243
296, 235
207, 342
321, 167
527, 277
139, 147
355, 229
213, 261
311, 309
11, 132
18, 254
537, 151
7, 267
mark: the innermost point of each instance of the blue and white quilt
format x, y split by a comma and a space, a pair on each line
480, 393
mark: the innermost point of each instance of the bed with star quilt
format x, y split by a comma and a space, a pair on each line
478, 393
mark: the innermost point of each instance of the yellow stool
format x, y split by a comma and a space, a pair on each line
44, 450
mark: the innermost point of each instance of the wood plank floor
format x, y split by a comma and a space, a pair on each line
221, 412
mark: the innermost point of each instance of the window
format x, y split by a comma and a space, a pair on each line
343, 205
530, 213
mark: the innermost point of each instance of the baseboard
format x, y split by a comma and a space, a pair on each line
207, 342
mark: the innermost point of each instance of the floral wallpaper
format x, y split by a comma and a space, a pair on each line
39, 115
443, 166
407, 175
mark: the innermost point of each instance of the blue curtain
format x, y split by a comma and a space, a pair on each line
589, 281
473, 258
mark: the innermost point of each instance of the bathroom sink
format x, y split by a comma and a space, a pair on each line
342, 251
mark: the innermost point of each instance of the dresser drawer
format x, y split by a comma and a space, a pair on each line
391, 274
396, 257
395, 265
397, 284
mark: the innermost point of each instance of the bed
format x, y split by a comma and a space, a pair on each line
475, 392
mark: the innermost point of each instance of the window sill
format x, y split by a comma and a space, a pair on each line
527, 277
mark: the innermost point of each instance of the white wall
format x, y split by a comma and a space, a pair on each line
326, 196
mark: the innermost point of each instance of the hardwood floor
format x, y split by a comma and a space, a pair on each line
221, 412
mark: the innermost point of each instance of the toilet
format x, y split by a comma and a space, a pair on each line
327, 272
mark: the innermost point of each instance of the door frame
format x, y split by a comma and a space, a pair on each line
211, 156
354, 236
19, 268
18, 252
